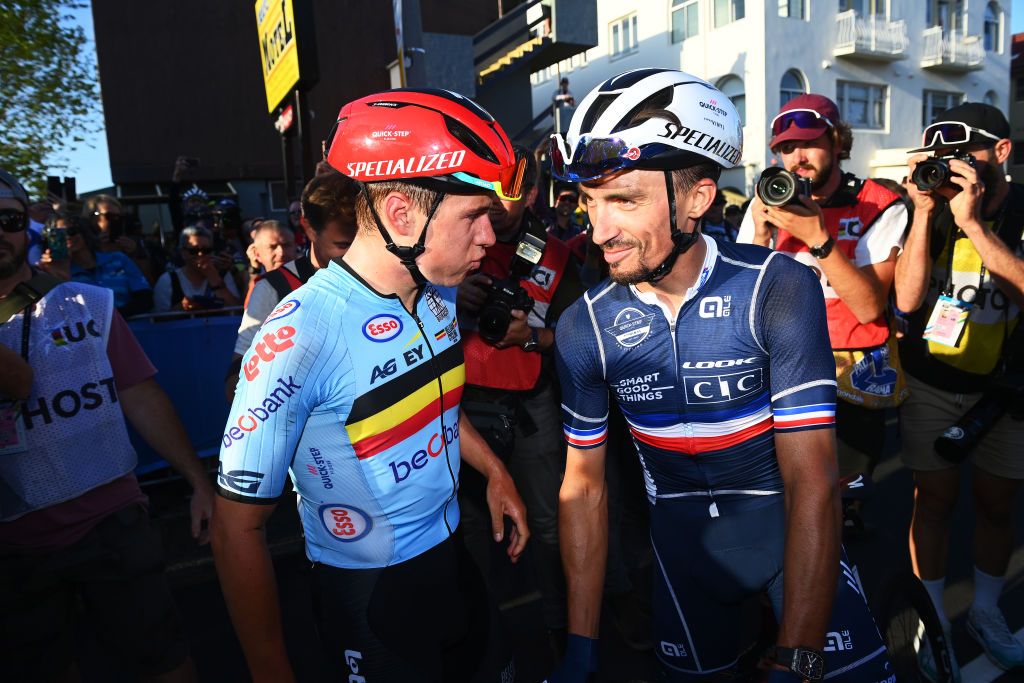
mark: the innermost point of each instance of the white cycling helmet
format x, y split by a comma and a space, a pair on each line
687, 121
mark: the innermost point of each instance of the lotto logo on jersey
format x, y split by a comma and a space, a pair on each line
272, 344
283, 310
722, 388
382, 328
345, 523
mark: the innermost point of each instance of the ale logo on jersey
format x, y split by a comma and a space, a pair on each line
345, 523
631, 327
283, 310
382, 328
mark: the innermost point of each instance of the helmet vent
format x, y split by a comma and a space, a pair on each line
602, 102
471, 140
655, 106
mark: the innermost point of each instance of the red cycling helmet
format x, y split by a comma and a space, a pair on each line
428, 136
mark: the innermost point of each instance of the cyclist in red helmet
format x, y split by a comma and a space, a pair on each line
352, 388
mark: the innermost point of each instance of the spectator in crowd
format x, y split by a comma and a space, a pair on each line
715, 225
105, 215
848, 232
196, 208
197, 285
111, 269
272, 246
734, 215
329, 221
295, 223
565, 226
562, 97
38, 213
961, 279
510, 394
80, 546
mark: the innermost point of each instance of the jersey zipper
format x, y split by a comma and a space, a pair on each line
440, 397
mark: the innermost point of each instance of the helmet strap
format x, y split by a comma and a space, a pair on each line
681, 241
407, 255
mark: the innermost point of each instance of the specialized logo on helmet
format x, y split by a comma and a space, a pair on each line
633, 153
702, 141
631, 327
390, 168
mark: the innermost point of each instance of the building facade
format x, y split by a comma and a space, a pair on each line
892, 66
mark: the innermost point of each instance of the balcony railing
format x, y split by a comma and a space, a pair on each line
870, 37
951, 51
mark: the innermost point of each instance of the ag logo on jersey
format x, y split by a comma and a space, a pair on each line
631, 327
382, 328
344, 522
722, 388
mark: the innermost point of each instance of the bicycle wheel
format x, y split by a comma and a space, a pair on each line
905, 615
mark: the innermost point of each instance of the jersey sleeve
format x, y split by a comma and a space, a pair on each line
262, 301
281, 384
794, 333
885, 234
580, 364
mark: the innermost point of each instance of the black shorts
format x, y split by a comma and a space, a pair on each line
423, 620
116, 574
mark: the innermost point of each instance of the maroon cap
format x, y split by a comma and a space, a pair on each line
816, 103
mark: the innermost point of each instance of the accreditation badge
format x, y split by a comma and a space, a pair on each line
947, 321
12, 431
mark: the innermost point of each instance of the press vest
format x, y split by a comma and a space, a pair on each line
74, 428
847, 224
512, 368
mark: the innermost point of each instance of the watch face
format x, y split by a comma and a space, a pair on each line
810, 664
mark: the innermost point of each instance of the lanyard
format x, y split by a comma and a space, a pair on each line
26, 327
951, 248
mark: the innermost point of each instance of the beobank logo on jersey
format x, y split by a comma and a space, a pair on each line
345, 523
382, 328
401, 469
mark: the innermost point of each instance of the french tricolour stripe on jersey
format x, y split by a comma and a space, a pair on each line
805, 417
584, 432
394, 411
695, 438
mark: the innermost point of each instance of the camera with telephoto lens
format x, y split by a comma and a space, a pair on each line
507, 295
779, 187
934, 174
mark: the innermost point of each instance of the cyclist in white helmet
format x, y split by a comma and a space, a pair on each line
717, 355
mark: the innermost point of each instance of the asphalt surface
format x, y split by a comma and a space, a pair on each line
880, 554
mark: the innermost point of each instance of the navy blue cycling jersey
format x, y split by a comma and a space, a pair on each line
705, 388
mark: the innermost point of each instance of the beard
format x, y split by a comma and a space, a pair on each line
818, 177
12, 258
638, 273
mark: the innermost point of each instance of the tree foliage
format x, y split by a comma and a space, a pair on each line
49, 99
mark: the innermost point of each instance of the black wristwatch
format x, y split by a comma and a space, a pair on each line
533, 343
801, 660
823, 250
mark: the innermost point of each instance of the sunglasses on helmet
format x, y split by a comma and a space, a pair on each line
951, 133
593, 157
801, 118
13, 220
508, 186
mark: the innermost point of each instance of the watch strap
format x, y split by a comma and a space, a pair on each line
823, 250
793, 659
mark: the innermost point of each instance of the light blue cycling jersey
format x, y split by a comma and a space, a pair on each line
358, 400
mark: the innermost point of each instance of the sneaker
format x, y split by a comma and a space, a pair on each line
926, 658
989, 628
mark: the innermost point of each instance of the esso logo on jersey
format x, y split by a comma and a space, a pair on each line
283, 310
345, 523
381, 328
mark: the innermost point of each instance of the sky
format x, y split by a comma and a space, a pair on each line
89, 162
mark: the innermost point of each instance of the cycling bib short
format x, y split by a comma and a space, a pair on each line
358, 400
703, 391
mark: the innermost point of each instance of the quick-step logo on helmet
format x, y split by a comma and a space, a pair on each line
704, 141
387, 168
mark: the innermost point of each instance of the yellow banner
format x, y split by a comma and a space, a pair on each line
275, 24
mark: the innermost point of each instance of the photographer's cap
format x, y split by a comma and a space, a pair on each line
986, 126
785, 128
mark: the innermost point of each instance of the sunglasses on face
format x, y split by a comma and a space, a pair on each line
13, 220
199, 251
951, 133
801, 118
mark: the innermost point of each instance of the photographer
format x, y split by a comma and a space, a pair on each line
510, 395
961, 276
848, 231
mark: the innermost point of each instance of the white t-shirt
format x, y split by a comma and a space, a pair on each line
162, 290
262, 301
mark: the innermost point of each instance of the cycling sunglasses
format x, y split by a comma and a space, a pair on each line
508, 186
951, 133
801, 118
13, 220
593, 158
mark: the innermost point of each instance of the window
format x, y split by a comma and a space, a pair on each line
792, 86
862, 105
993, 28
684, 20
991, 98
623, 36
794, 9
935, 102
727, 11
949, 14
732, 87
865, 8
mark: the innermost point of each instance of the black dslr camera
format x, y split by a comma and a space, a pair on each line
934, 174
504, 296
779, 187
